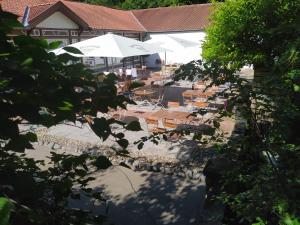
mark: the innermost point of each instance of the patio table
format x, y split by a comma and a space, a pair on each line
145, 96
177, 115
144, 92
198, 93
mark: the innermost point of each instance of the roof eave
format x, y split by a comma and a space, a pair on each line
58, 7
185, 30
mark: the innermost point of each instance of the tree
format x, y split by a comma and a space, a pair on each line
260, 182
251, 32
142, 4
40, 88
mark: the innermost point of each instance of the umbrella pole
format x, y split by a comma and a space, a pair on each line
106, 63
165, 62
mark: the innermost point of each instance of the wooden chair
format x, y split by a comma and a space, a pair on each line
200, 104
116, 116
215, 88
202, 95
158, 102
170, 123
209, 93
187, 98
152, 125
199, 87
201, 83
173, 104
156, 75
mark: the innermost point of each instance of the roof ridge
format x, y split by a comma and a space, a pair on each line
93, 4
52, 3
168, 7
136, 19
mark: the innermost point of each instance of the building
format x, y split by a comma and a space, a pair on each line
71, 22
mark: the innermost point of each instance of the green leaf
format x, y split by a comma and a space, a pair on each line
296, 88
21, 142
66, 106
140, 145
101, 128
120, 135
73, 50
288, 220
134, 126
124, 165
5, 211
102, 162
54, 45
27, 62
9, 129
3, 83
216, 124
32, 137
123, 143
165, 137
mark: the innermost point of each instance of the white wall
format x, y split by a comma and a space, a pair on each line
178, 56
58, 20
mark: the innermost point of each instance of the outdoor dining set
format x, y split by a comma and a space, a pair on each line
162, 114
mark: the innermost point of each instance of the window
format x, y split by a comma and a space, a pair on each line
55, 33
74, 33
35, 32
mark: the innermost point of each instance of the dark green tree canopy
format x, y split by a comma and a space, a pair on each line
252, 31
38, 88
142, 4
259, 180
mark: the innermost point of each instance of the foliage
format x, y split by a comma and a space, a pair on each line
251, 32
136, 84
5, 211
260, 184
143, 4
40, 88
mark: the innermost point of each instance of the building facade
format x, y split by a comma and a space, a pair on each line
70, 22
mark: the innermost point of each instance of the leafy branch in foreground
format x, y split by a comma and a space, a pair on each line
40, 88
256, 175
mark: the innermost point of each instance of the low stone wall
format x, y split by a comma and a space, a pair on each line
133, 161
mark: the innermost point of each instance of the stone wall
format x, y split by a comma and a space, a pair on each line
134, 161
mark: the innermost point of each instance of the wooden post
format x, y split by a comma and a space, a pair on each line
106, 63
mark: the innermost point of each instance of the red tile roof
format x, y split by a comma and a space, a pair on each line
100, 17
17, 7
37, 10
179, 18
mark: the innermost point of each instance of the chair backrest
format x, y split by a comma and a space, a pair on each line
128, 72
187, 95
202, 95
170, 123
152, 121
199, 87
134, 72
156, 74
173, 104
161, 96
209, 93
215, 88
116, 116
201, 104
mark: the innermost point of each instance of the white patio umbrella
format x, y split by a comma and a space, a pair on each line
111, 45
172, 44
